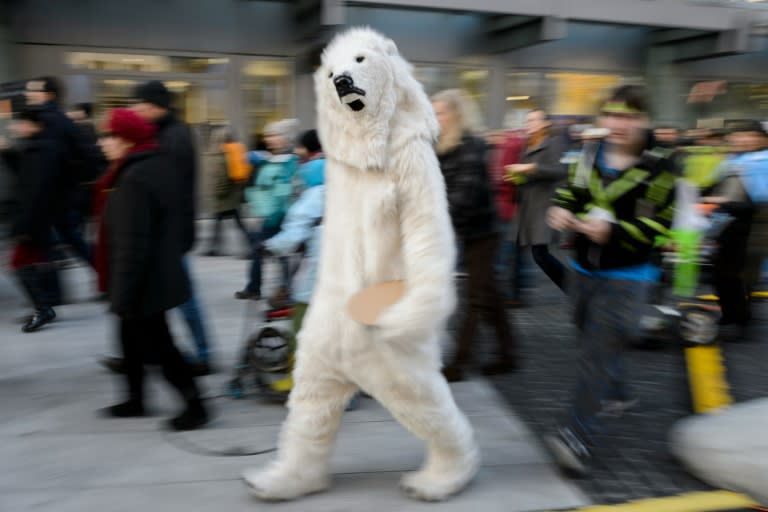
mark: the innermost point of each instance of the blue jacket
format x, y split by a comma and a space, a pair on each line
271, 194
302, 224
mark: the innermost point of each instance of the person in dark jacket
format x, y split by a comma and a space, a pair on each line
227, 193
619, 202
33, 162
537, 175
175, 138
743, 195
470, 201
145, 246
79, 162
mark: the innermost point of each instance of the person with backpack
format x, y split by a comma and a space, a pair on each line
227, 160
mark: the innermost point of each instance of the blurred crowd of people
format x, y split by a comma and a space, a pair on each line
595, 206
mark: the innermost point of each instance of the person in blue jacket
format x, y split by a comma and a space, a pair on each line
302, 227
269, 199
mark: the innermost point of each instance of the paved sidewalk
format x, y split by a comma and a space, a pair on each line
56, 454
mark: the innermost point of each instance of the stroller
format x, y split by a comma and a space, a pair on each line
265, 356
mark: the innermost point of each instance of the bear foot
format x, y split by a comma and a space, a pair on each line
274, 484
431, 485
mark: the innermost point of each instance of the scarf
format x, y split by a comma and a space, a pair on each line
102, 190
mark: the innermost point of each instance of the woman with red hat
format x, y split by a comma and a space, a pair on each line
139, 253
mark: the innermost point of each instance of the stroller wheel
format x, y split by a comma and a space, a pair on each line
268, 351
698, 327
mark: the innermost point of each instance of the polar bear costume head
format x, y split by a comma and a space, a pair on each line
368, 100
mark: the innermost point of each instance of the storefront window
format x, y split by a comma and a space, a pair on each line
578, 94
567, 95
92, 61
267, 91
717, 101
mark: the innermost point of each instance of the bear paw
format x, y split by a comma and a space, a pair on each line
430, 485
274, 484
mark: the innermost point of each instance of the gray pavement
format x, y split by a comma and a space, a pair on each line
56, 453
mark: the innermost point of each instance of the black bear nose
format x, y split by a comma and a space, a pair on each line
343, 82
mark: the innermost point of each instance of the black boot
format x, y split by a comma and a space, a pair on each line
132, 408
505, 365
32, 279
113, 364
39, 319
193, 417
453, 373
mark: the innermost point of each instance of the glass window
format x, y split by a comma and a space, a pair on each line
93, 61
267, 91
525, 92
438, 78
198, 103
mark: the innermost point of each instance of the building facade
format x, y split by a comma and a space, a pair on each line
245, 63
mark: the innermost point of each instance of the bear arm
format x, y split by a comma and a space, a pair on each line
428, 250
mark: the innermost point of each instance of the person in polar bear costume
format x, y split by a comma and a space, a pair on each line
386, 218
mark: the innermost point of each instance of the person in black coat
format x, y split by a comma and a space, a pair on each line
79, 162
145, 245
470, 201
33, 162
175, 137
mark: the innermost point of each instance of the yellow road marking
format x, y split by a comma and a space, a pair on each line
756, 295
709, 501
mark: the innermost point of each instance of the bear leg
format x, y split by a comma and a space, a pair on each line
316, 405
425, 406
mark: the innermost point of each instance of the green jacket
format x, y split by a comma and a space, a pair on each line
641, 201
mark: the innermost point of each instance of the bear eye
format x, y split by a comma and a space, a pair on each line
330, 74
360, 58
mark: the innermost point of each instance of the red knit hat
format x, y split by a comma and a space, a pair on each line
127, 124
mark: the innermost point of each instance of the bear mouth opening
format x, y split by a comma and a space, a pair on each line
356, 105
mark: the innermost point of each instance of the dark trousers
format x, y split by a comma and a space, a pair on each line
549, 264
484, 301
728, 276
220, 216
255, 274
37, 274
606, 314
69, 230
148, 340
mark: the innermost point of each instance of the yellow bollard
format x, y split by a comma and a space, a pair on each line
707, 378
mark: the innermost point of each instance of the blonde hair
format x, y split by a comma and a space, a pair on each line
468, 118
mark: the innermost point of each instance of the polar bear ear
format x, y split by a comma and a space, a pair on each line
390, 48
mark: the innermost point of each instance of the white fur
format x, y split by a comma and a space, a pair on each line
386, 218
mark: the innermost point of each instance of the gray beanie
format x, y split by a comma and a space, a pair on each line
288, 129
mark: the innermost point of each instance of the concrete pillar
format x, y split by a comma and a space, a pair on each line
305, 105
497, 93
666, 87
